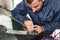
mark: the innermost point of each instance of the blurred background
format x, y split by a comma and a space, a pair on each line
6, 21
9, 4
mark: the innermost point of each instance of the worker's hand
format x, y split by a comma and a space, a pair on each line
29, 25
39, 28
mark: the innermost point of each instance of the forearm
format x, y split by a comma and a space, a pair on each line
51, 26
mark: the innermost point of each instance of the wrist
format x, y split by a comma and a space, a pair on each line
27, 21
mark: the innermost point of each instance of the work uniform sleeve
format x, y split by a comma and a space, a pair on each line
19, 12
